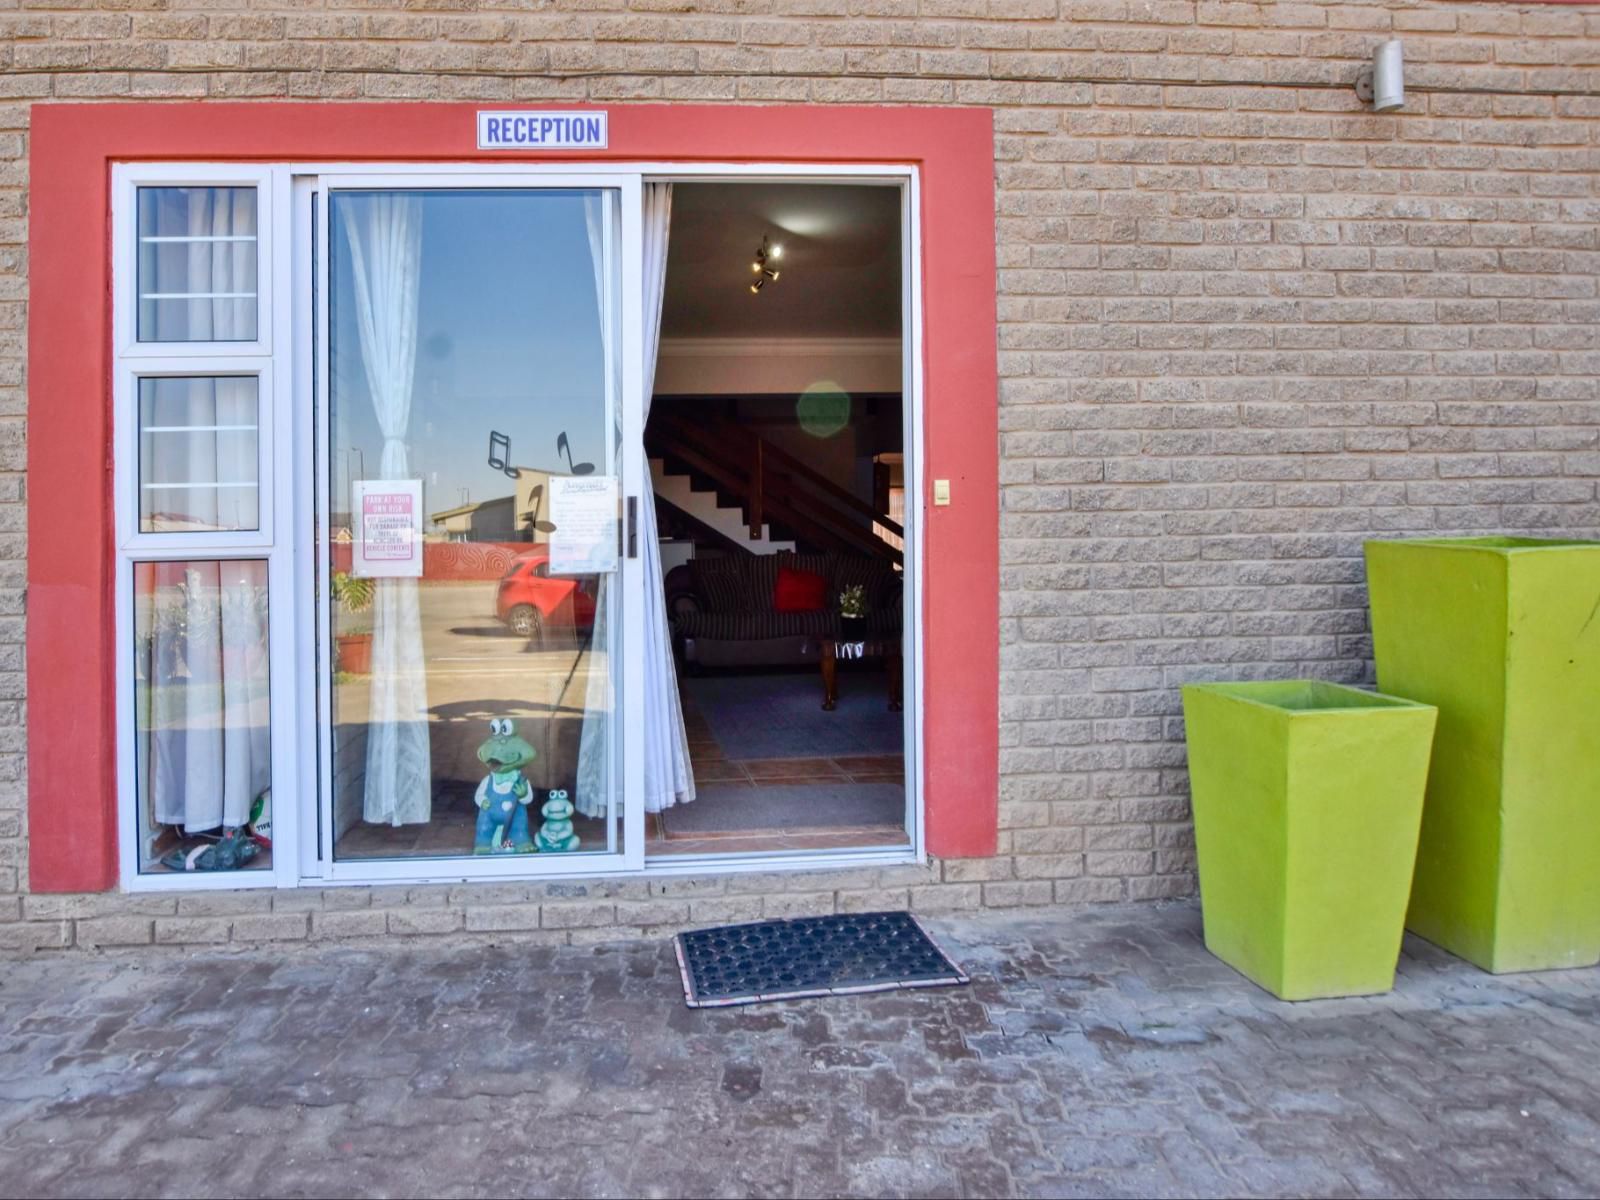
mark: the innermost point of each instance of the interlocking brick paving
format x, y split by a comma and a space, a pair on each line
1096, 1052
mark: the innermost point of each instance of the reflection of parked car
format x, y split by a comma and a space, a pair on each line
531, 601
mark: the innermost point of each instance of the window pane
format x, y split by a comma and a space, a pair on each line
202, 728
470, 367
197, 264
198, 467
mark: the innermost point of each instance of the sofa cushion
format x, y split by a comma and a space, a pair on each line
799, 591
721, 585
755, 626
761, 579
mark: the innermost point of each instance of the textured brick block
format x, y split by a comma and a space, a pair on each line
360, 923
423, 920
192, 930
497, 917
577, 916
272, 927
115, 931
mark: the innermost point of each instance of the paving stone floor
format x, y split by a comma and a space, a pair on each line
1097, 1052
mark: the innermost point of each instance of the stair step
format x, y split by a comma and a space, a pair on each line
706, 506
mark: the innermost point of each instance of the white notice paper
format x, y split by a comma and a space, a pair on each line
583, 509
387, 514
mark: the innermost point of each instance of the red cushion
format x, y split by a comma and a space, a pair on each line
799, 591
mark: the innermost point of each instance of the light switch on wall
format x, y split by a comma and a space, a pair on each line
941, 492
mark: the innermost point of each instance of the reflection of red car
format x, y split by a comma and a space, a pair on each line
531, 601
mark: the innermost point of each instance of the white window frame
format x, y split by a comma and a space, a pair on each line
127, 179
283, 357
261, 359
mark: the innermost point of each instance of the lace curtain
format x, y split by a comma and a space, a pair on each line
384, 232
668, 775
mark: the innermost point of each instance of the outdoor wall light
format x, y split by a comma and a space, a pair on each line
1384, 84
767, 253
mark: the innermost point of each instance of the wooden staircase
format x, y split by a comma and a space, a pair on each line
780, 498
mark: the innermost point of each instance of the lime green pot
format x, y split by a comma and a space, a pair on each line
1307, 798
1503, 635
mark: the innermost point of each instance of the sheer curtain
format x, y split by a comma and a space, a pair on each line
668, 776
197, 431
197, 275
385, 236
210, 732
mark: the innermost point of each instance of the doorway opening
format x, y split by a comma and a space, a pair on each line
777, 440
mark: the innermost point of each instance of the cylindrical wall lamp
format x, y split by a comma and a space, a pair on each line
1388, 77
1385, 83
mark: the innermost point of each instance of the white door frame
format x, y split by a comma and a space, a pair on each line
305, 860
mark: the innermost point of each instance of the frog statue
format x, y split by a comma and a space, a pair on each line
556, 832
504, 795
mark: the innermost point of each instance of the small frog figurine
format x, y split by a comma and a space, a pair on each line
556, 833
504, 795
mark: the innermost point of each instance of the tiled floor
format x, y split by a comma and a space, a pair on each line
712, 765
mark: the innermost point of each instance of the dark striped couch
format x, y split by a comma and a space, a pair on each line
721, 609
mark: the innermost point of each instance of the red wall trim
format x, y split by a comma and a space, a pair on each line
71, 624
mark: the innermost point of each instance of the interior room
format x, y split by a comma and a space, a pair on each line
776, 444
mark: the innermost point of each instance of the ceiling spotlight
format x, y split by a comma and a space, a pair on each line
765, 253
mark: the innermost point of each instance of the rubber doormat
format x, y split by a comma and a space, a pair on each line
810, 956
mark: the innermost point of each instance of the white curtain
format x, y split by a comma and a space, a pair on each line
197, 431
204, 260
206, 694
384, 232
668, 776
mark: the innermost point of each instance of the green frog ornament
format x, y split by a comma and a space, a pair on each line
504, 795
556, 833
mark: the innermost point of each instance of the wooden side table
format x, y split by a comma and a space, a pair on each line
887, 649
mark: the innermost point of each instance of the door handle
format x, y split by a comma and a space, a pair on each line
633, 527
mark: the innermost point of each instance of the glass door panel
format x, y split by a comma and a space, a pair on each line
472, 378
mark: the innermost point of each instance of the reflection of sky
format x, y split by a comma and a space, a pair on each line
508, 340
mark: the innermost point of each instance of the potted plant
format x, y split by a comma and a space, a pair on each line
1503, 635
853, 613
354, 595
1307, 799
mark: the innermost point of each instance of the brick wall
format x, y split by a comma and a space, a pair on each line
1244, 325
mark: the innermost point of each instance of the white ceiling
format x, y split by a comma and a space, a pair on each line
840, 270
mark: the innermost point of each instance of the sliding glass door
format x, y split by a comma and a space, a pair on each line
475, 595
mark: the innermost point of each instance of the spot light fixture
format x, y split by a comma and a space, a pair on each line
1383, 85
761, 267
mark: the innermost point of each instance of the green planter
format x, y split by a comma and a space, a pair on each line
1307, 797
1503, 635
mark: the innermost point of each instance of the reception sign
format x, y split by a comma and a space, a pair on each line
533, 130
387, 516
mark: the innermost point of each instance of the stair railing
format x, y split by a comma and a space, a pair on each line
771, 483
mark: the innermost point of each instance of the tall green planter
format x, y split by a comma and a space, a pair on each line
1503, 635
1307, 797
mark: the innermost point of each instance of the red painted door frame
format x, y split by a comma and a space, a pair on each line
71, 624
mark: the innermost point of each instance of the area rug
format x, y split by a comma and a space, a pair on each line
780, 715
736, 808
810, 956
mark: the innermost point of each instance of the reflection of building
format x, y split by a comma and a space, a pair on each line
513, 518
